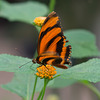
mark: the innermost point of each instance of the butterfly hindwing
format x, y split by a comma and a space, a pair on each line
51, 43
51, 59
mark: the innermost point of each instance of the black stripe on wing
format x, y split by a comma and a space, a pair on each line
49, 29
60, 45
57, 60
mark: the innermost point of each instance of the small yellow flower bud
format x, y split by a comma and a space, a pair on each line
39, 20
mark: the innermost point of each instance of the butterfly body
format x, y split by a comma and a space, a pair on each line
51, 43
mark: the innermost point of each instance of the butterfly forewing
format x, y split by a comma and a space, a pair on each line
46, 34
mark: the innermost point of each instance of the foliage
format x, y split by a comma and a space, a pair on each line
25, 12
89, 70
22, 84
83, 43
11, 63
85, 71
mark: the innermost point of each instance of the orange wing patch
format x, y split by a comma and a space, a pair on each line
44, 41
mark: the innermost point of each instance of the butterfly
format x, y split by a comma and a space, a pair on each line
51, 47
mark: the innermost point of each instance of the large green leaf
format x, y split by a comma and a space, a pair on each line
25, 12
60, 82
89, 71
83, 43
22, 84
12, 63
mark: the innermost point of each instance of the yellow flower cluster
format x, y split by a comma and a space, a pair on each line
39, 20
46, 71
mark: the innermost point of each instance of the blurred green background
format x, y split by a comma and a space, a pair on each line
79, 14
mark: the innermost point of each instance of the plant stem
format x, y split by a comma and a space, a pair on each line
52, 5
40, 94
45, 84
92, 87
34, 88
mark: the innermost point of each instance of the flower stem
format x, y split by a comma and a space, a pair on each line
40, 94
34, 88
92, 87
44, 88
52, 5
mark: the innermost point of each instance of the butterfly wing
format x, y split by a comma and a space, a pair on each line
49, 26
51, 43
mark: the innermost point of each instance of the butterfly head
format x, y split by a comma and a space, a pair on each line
34, 61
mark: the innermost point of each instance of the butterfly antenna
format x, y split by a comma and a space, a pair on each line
25, 64
31, 67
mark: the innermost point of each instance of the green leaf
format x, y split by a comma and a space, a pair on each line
83, 43
22, 84
12, 63
25, 12
89, 71
61, 83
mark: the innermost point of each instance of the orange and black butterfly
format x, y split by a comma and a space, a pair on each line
51, 43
